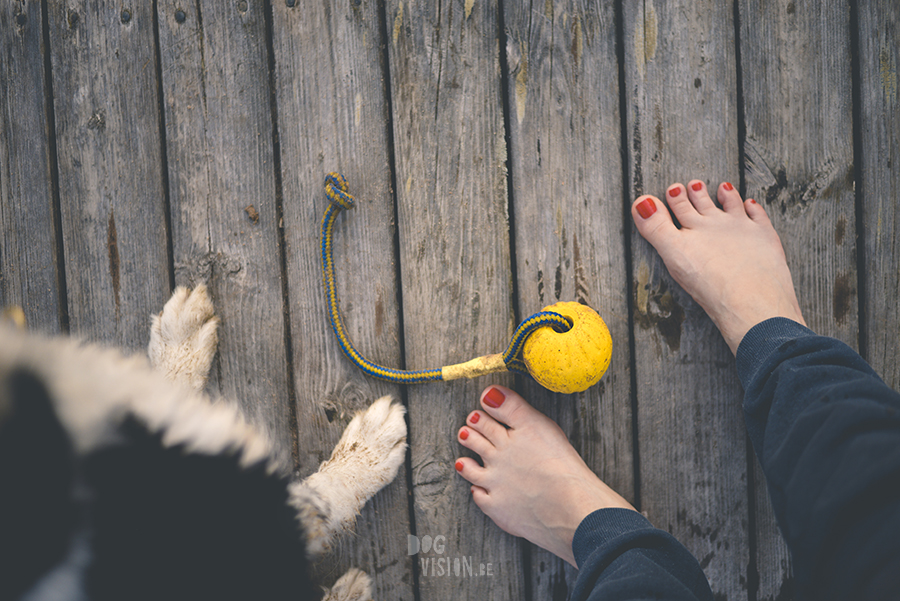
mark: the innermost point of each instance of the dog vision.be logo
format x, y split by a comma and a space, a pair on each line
433, 562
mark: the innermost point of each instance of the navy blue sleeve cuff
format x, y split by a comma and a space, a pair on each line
761, 341
603, 525
620, 555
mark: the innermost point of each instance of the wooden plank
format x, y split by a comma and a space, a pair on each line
798, 150
681, 105
879, 59
332, 116
214, 63
29, 274
455, 264
570, 245
110, 169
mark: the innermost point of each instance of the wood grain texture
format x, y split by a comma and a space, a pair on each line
455, 264
799, 149
332, 116
29, 274
681, 103
795, 61
222, 196
879, 65
110, 168
450, 243
566, 166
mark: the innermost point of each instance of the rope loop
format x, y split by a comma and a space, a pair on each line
513, 354
336, 188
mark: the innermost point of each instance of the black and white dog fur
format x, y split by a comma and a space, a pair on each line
120, 480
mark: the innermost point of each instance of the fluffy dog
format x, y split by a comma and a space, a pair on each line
120, 480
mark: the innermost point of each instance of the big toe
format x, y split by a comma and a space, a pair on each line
652, 220
507, 407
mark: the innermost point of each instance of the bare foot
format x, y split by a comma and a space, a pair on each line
730, 260
533, 483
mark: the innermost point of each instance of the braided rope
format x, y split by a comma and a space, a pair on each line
513, 354
336, 189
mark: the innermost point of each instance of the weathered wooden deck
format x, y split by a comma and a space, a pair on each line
495, 147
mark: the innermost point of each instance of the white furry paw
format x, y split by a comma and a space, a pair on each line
355, 585
371, 449
183, 337
366, 459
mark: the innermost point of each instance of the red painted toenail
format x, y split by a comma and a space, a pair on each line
675, 191
697, 186
728, 186
494, 398
475, 417
459, 466
464, 434
646, 208
752, 201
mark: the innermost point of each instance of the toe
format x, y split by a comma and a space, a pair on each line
469, 469
507, 407
699, 197
208, 337
488, 427
730, 198
755, 211
652, 220
481, 497
474, 441
199, 303
354, 585
179, 296
696, 197
686, 212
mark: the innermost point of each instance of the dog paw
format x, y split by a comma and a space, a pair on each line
183, 337
367, 457
372, 447
355, 585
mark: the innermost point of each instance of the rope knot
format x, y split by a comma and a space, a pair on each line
336, 189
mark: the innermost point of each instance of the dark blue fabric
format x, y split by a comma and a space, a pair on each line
826, 431
620, 555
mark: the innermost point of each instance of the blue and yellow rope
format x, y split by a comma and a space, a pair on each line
336, 189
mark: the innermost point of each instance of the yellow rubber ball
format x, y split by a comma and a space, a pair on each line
570, 361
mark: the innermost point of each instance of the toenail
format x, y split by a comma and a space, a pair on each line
697, 187
459, 466
675, 191
494, 398
646, 208
475, 417
464, 434
728, 186
752, 201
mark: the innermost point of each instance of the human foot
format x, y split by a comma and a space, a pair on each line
533, 483
729, 259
